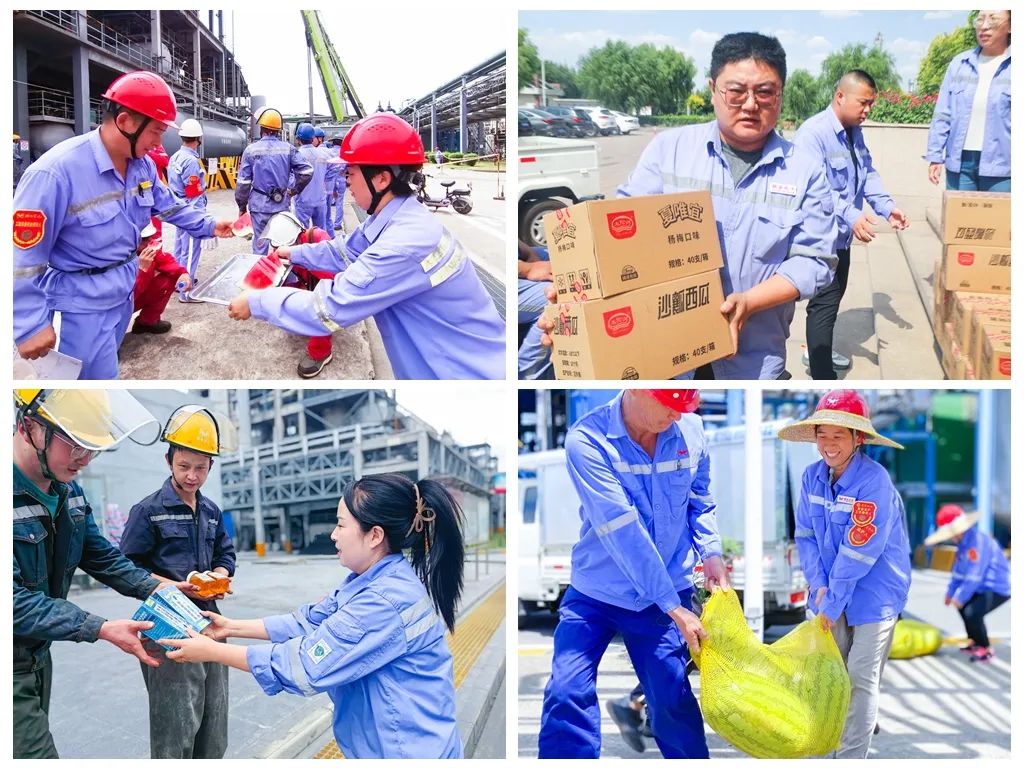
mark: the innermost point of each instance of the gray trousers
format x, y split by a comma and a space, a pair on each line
188, 708
865, 648
31, 735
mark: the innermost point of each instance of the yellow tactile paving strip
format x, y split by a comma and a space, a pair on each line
466, 645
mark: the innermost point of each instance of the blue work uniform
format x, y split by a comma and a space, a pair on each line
980, 566
410, 274
164, 535
645, 525
340, 186
264, 174
534, 358
378, 649
331, 173
83, 262
851, 537
309, 203
825, 137
779, 220
952, 116
187, 181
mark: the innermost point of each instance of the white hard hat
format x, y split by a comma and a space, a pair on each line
190, 129
282, 229
148, 231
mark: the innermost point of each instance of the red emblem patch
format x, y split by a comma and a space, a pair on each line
972, 555
618, 322
861, 534
622, 224
863, 512
29, 228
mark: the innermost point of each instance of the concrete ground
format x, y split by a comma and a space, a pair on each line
930, 707
204, 343
99, 707
884, 323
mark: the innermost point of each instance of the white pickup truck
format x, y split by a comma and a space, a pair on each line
553, 173
550, 521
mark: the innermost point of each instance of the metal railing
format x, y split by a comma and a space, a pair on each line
101, 35
47, 102
64, 19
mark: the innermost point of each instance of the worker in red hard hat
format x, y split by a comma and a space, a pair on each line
980, 580
641, 469
400, 266
78, 214
852, 541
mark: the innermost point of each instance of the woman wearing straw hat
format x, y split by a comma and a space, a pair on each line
852, 542
981, 575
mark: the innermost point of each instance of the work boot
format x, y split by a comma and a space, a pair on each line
839, 362
160, 326
628, 720
308, 367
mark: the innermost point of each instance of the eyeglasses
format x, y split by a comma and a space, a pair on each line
736, 96
77, 452
988, 22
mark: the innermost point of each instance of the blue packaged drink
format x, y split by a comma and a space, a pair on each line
172, 615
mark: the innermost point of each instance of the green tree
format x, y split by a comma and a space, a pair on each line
941, 51
695, 104
628, 78
563, 75
607, 74
529, 61
876, 61
802, 96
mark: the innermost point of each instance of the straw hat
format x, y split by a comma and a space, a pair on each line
839, 408
951, 521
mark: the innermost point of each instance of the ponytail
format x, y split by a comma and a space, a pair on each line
430, 529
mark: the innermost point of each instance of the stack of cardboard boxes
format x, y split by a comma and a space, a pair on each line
638, 286
972, 286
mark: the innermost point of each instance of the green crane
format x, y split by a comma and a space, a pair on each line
337, 86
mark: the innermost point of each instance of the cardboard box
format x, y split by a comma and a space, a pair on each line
978, 268
607, 247
996, 306
654, 333
945, 339
943, 296
994, 362
976, 218
978, 333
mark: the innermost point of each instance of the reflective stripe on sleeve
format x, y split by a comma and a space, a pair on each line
854, 554
804, 533
321, 310
298, 671
415, 610
307, 628
421, 626
26, 272
616, 523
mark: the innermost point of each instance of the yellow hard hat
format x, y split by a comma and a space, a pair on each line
17, 137
270, 118
198, 429
94, 419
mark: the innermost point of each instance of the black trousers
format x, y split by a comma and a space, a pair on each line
822, 311
973, 614
31, 736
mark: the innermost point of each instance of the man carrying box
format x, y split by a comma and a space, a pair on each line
835, 138
176, 531
57, 433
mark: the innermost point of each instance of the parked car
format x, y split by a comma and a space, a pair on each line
561, 126
603, 119
525, 126
626, 123
578, 124
540, 125
589, 126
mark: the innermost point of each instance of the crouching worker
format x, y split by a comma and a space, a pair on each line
375, 643
159, 273
980, 580
400, 266
852, 541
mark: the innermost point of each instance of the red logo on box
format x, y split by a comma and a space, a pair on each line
965, 258
1004, 366
622, 224
618, 322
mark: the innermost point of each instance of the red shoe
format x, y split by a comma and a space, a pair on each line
982, 655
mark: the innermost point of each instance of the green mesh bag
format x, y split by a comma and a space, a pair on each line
783, 700
914, 638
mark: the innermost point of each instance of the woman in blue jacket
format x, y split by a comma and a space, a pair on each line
970, 130
375, 643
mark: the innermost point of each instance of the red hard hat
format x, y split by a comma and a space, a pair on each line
382, 139
845, 400
947, 514
679, 400
145, 93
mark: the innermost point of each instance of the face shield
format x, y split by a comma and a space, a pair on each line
202, 430
97, 420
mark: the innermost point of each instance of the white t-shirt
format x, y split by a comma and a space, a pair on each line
987, 66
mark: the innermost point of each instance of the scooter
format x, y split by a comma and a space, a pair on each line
456, 198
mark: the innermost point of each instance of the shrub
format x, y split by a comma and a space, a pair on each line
903, 108
674, 120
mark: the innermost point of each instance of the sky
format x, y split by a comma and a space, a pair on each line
478, 412
807, 36
387, 56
